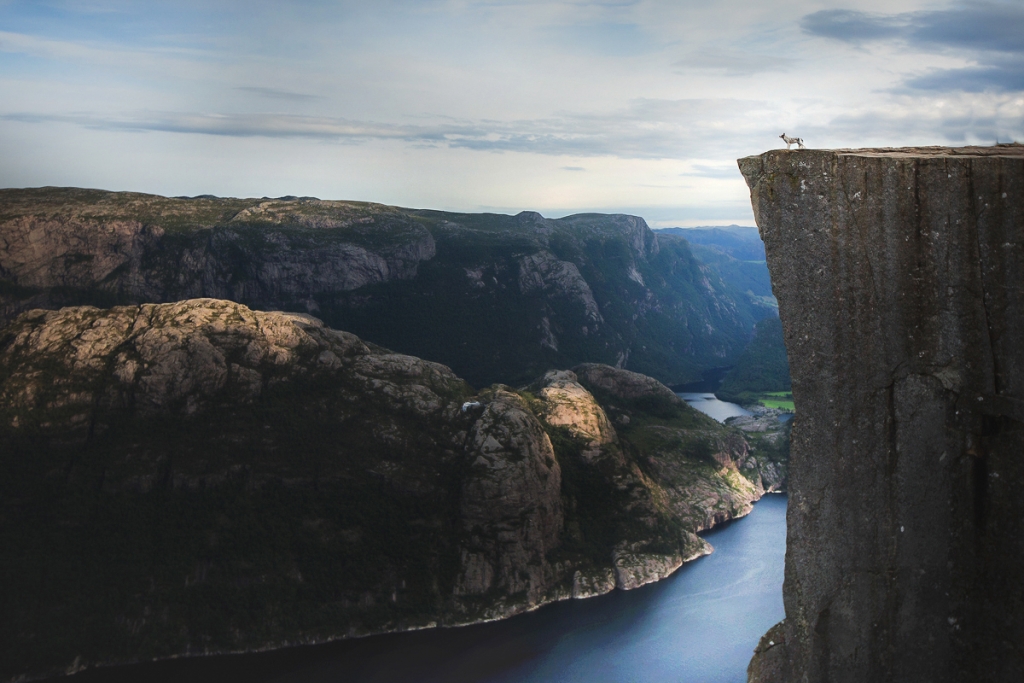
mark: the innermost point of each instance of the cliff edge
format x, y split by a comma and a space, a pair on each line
900, 280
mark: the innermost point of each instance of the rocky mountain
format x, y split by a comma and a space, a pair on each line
495, 297
200, 477
899, 275
738, 241
736, 254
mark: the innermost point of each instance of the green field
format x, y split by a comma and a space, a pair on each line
777, 399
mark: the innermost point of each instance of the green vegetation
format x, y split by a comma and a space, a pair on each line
777, 399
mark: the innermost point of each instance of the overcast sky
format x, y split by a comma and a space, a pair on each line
475, 105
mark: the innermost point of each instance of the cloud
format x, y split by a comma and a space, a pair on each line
989, 33
249, 125
604, 38
732, 62
914, 119
977, 26
573, 168
96, 53
706, 171
999, 75
851, 26
276, 94
645, 129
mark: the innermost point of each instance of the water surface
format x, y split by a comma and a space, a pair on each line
710, 405
698, 626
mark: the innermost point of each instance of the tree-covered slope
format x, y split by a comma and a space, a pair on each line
495, 297
763, 366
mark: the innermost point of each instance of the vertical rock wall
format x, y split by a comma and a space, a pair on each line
900, 280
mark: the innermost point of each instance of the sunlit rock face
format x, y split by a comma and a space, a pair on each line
199, 477
900, 280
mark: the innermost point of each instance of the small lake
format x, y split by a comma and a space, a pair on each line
708, 404
698, 626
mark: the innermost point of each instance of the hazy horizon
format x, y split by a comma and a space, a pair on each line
628, 106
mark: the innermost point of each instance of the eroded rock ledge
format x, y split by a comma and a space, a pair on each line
900, 280
199, 477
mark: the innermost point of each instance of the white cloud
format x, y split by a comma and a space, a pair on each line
466, 104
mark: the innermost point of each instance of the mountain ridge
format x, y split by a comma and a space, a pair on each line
496, 297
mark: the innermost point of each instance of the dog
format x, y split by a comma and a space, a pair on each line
789, 141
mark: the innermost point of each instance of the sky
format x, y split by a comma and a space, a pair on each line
632, 106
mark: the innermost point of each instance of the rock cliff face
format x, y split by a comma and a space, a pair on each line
200, 477
144, 248
497, 298
900, 280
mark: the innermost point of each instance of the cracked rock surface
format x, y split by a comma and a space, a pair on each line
900, 280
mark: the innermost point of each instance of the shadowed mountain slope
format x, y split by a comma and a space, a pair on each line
199, 477
495, 297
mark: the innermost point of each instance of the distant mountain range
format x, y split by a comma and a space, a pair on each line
735, 252
497, 298
738, 241
737, 255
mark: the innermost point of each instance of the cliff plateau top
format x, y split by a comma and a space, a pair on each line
1005, 149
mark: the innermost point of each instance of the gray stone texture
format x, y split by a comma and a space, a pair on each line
900, 280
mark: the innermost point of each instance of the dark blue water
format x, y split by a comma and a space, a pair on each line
709, 404
699, 625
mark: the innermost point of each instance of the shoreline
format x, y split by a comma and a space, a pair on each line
76, 667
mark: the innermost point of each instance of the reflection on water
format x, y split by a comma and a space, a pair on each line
700, 624
710, 405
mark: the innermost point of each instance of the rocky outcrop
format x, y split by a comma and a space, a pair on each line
497, 298
625, 385
277, 252
511, 504
899, 275
543, 272
567, 404
183, 358
200, 477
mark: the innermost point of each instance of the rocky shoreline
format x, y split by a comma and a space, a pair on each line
315, 486
630, 572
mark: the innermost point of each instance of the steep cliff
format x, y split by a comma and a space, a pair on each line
900, 280
495, 297
200, 477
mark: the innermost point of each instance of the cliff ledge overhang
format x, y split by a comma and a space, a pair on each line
900, 280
